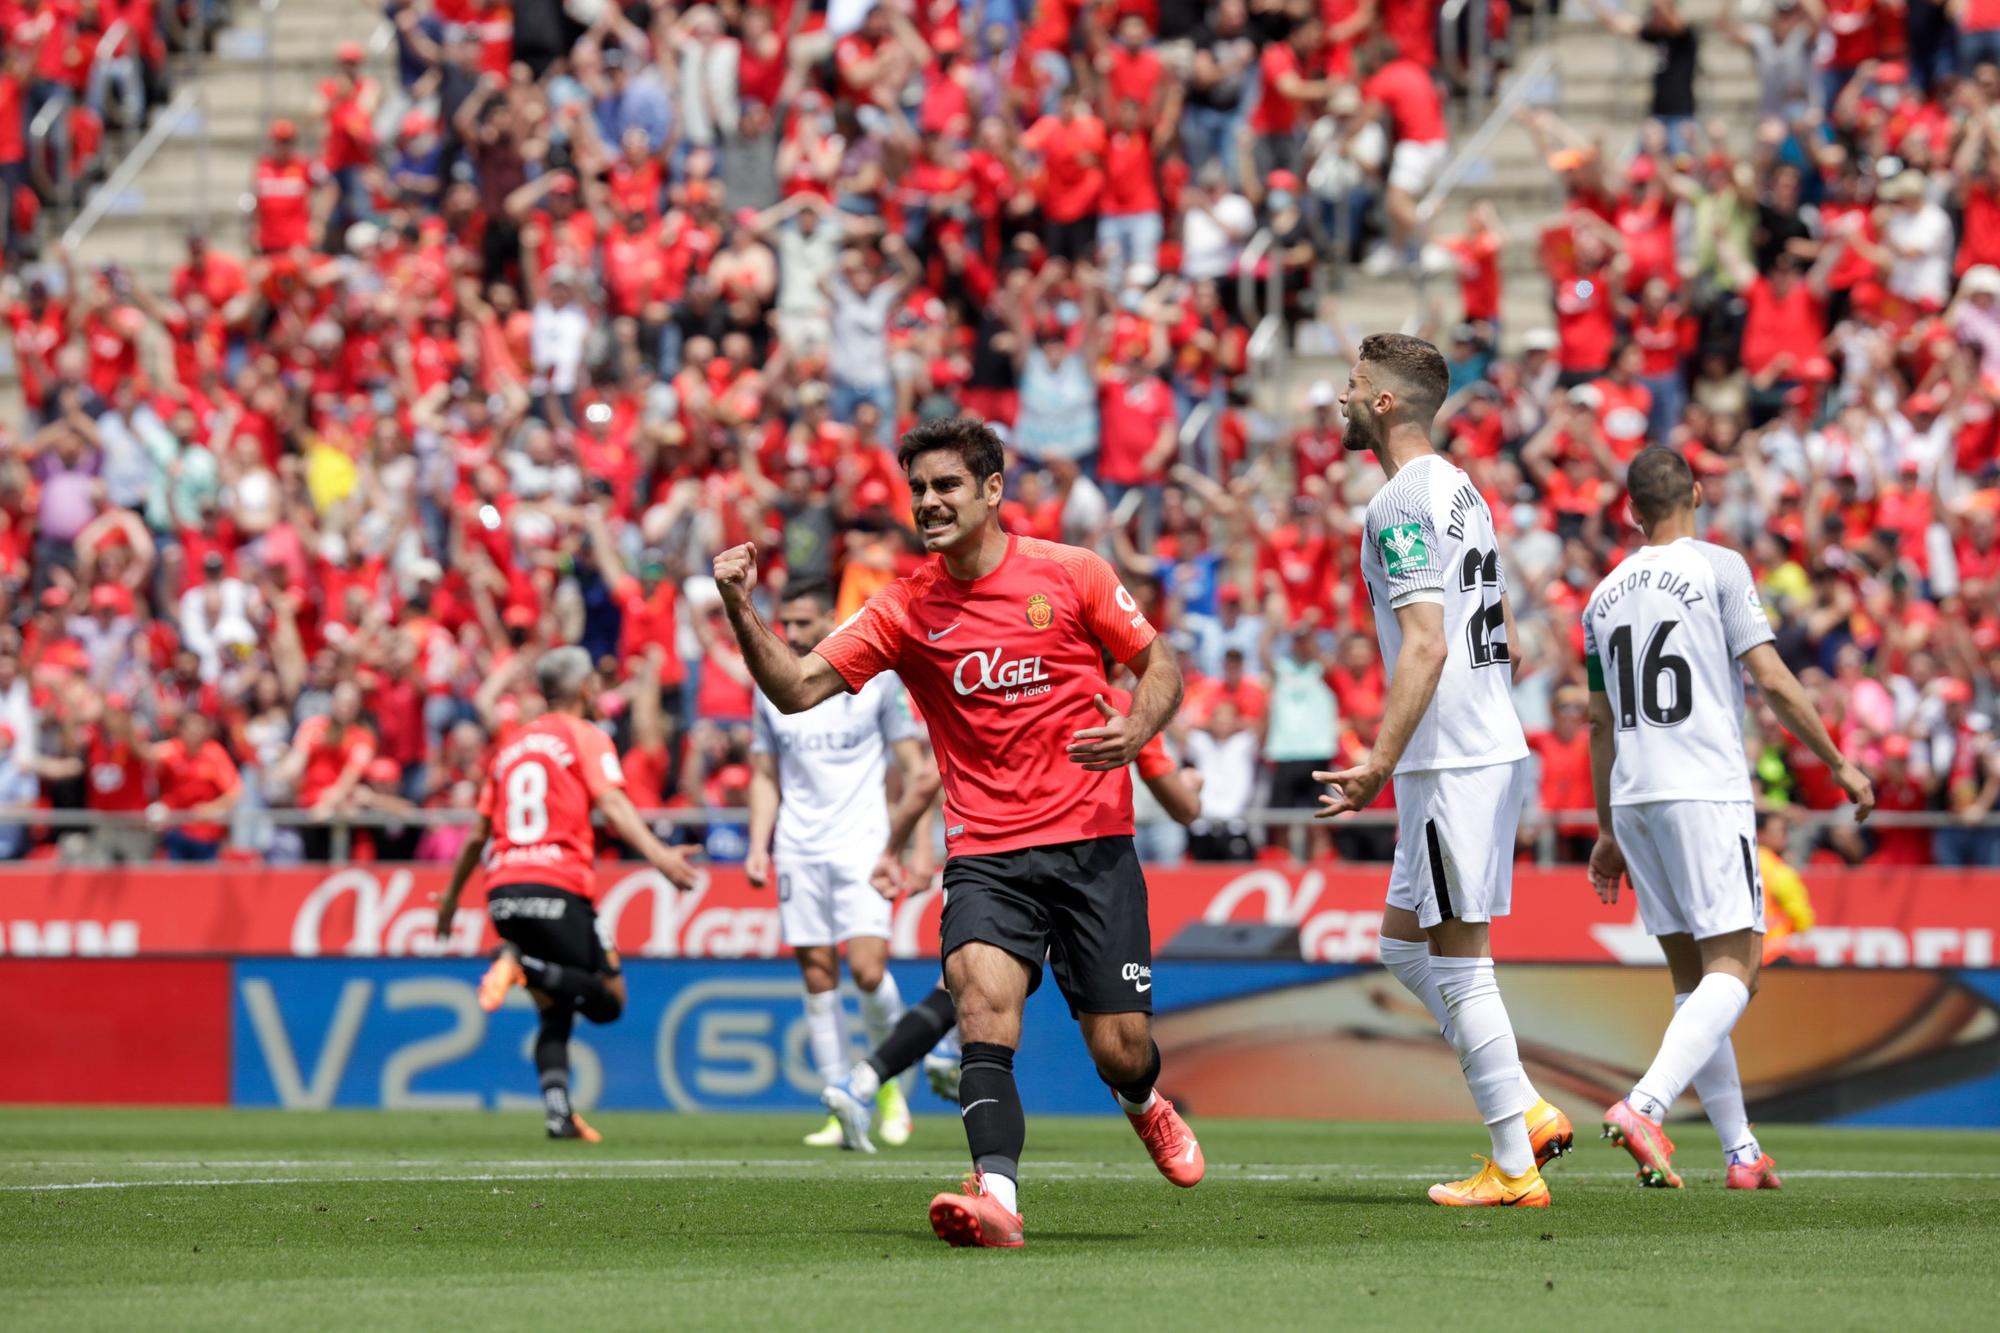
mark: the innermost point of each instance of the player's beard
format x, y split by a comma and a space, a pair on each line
1362, 431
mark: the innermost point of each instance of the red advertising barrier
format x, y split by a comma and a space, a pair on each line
1889, 917
116, 1031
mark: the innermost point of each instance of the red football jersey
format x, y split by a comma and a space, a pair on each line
1002, 670
538, 798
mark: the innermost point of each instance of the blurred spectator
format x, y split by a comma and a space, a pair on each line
198, 781
1300, 728
1562, 753
1787, 907
1224, 751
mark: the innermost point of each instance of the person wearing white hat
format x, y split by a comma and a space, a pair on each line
1918, 235
1974, 317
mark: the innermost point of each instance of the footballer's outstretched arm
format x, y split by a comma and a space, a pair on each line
622, 818
1418, 667
1788, 700
790, 682
462, 867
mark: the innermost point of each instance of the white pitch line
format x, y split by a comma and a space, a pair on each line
888, 1171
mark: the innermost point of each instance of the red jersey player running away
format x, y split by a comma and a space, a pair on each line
541, 882
997, 641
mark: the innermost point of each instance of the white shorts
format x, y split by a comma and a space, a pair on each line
826, 902
1455, 830
1414, 167
1693, 865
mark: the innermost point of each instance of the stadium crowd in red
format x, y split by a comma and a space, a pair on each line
75, 66
523, 334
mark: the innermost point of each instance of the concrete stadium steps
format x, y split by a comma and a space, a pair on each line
176, 192
1601, 85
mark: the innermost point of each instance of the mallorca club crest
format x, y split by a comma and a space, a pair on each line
1040, 614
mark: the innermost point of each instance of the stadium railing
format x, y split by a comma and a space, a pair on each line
112, 193
1293, 825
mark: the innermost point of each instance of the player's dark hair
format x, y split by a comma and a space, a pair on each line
972, 440
817, 591
1422, 380
1659, 483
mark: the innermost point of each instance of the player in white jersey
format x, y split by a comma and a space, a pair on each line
818, 781
1663, 636
1453, 743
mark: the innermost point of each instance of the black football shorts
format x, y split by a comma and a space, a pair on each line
1082, 905
551, 924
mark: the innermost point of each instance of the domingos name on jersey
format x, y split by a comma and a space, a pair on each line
1464, 500
1670, 584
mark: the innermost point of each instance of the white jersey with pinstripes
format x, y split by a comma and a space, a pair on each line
1429, 537
1662, 636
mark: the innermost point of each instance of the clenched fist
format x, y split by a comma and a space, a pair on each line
736, 573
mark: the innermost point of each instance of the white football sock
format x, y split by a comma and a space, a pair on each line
826, 1034
880, 1008
1410, 960
1700, 1024
1484, 1039
1720, 1087
1137, 1108
1003, 1189
863, 1081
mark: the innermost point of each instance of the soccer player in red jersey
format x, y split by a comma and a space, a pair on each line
540, 880
998, 640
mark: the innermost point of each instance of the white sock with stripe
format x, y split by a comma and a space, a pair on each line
826, 1034
1483, 1036
1720, 1086
1701, 1024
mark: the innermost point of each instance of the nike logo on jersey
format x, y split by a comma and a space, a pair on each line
983, 1101
937, 634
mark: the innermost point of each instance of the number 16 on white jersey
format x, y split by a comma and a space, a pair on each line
1662, 637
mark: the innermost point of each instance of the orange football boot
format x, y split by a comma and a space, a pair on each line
1647, 1142
1761, 1174
1490, 1189
1170, 1141
975, 1219
1549, 1132
501, 977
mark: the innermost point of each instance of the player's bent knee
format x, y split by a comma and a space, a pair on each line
605, 1009
820, 968
1121, 1045
867, 970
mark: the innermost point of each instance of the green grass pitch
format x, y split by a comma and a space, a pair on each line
216, 1219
